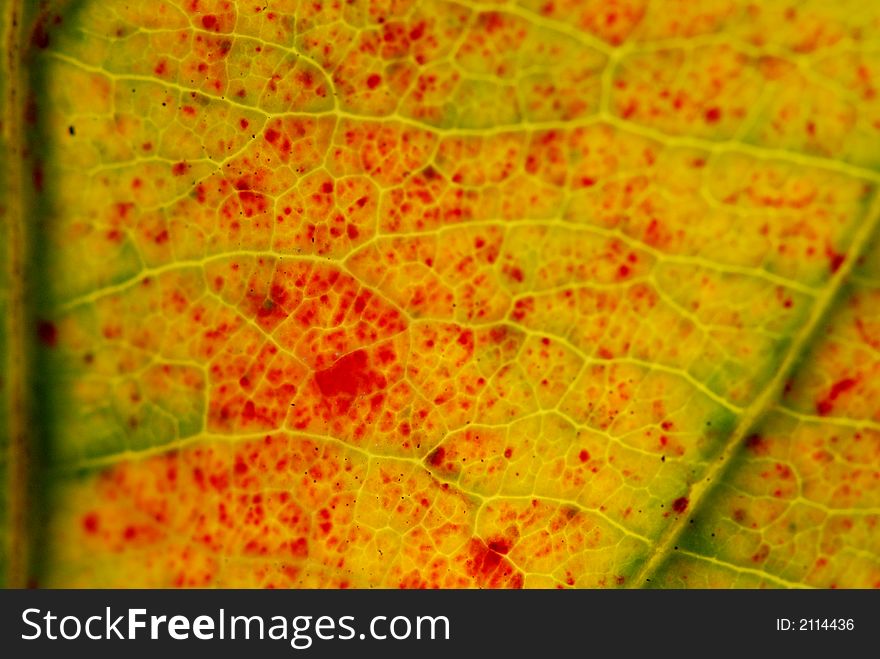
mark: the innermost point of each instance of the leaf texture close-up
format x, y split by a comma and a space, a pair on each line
435, 293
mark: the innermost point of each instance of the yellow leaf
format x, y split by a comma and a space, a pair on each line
415, 293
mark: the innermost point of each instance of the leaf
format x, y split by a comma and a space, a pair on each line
418, 293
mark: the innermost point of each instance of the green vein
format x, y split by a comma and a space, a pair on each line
765, 401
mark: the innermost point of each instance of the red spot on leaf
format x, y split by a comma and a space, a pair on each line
680, 504
47, 333
826, 405
490, 568
835, 259
712, 115
37, 177
40, 36
757, 445
762, 553
437, 456
90, 523
348, 375
499, 545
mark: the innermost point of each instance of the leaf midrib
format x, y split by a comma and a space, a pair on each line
765, 401
13, 22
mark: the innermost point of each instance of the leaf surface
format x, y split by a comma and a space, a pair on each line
425, 293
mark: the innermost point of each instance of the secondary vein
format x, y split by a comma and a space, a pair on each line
765, 401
